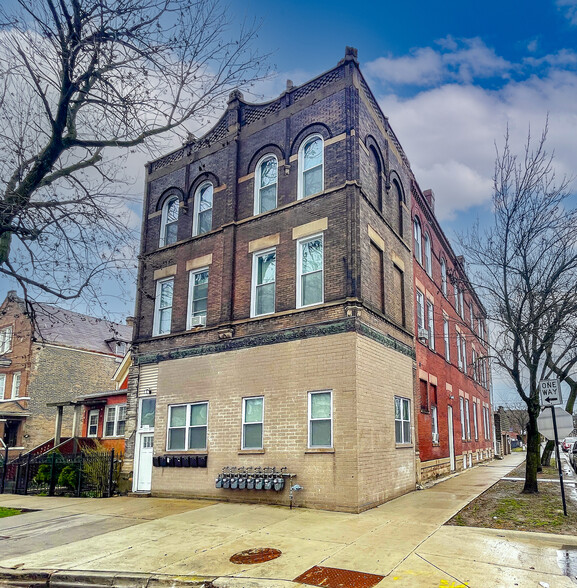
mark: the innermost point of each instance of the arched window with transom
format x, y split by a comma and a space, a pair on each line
418, 240
202, 222
266, 184
400, 198
169, 221
428, 255
311, 166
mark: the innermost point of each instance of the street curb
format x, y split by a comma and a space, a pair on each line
95, 579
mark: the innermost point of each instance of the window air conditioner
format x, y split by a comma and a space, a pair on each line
198, 321
423, 335
435, 437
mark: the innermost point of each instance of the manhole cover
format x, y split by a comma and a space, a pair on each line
336, 578
256, 555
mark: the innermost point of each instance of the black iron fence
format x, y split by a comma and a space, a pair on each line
91, 473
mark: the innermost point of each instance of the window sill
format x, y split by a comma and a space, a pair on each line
251, 451
403, 445
320, 450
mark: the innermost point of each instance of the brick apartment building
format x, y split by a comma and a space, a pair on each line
64, 355
274, 315
453, 376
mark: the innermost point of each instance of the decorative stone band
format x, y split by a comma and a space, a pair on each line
346, 325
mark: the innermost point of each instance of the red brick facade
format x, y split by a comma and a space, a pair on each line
460, 381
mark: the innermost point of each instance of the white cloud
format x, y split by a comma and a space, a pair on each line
449, 132
569, 10
461, 60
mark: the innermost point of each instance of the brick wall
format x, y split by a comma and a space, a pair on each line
284, 374
59, 374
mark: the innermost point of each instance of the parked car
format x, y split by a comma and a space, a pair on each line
573, 456
566, 443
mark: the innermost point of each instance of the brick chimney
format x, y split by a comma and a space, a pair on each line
430, 198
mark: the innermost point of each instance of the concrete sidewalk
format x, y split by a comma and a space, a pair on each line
157, 542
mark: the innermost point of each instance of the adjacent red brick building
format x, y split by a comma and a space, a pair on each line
453, 377
55, 359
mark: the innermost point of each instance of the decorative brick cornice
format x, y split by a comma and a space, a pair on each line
346, 325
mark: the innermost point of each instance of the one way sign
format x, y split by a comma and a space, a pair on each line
550, 392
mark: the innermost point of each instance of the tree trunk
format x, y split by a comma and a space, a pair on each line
547, 453
532, 462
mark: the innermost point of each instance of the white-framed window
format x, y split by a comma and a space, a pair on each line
428, 255
463, 424
434, 424
187, 427
197, 298
464, 352
5, 340
311, 166
461, 304
402, 420
420, 309
475, 425
115, 420
418, 235
459, 351
431, 324
447, 340
92, 429
252, 422
147, 413
310, 271
474, 363
16, 377
202, 221
163, 306
169, 221
263, 282
321, 419
444, 276
266, 184
468, 418
120, 348
2, 385
486, 422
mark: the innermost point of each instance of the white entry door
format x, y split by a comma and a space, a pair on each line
145, 462
451, 438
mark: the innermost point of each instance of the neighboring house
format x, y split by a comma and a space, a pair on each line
453, 376
63, 355
104, 413
274, 322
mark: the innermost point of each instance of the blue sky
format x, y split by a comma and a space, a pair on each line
450, 76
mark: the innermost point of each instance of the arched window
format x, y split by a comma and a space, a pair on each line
169, 221
418, 240
374, 179
266, 181
428, 255
400, 199
311, 166
444, 276
202, 222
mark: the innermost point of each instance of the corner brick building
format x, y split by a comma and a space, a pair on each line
66, 354
274, 314
453, 376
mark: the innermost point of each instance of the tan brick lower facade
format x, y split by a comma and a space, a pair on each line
364, 468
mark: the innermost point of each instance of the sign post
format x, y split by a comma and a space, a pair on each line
550, 393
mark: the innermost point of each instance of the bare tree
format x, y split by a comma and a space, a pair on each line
81, 83
525, 266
